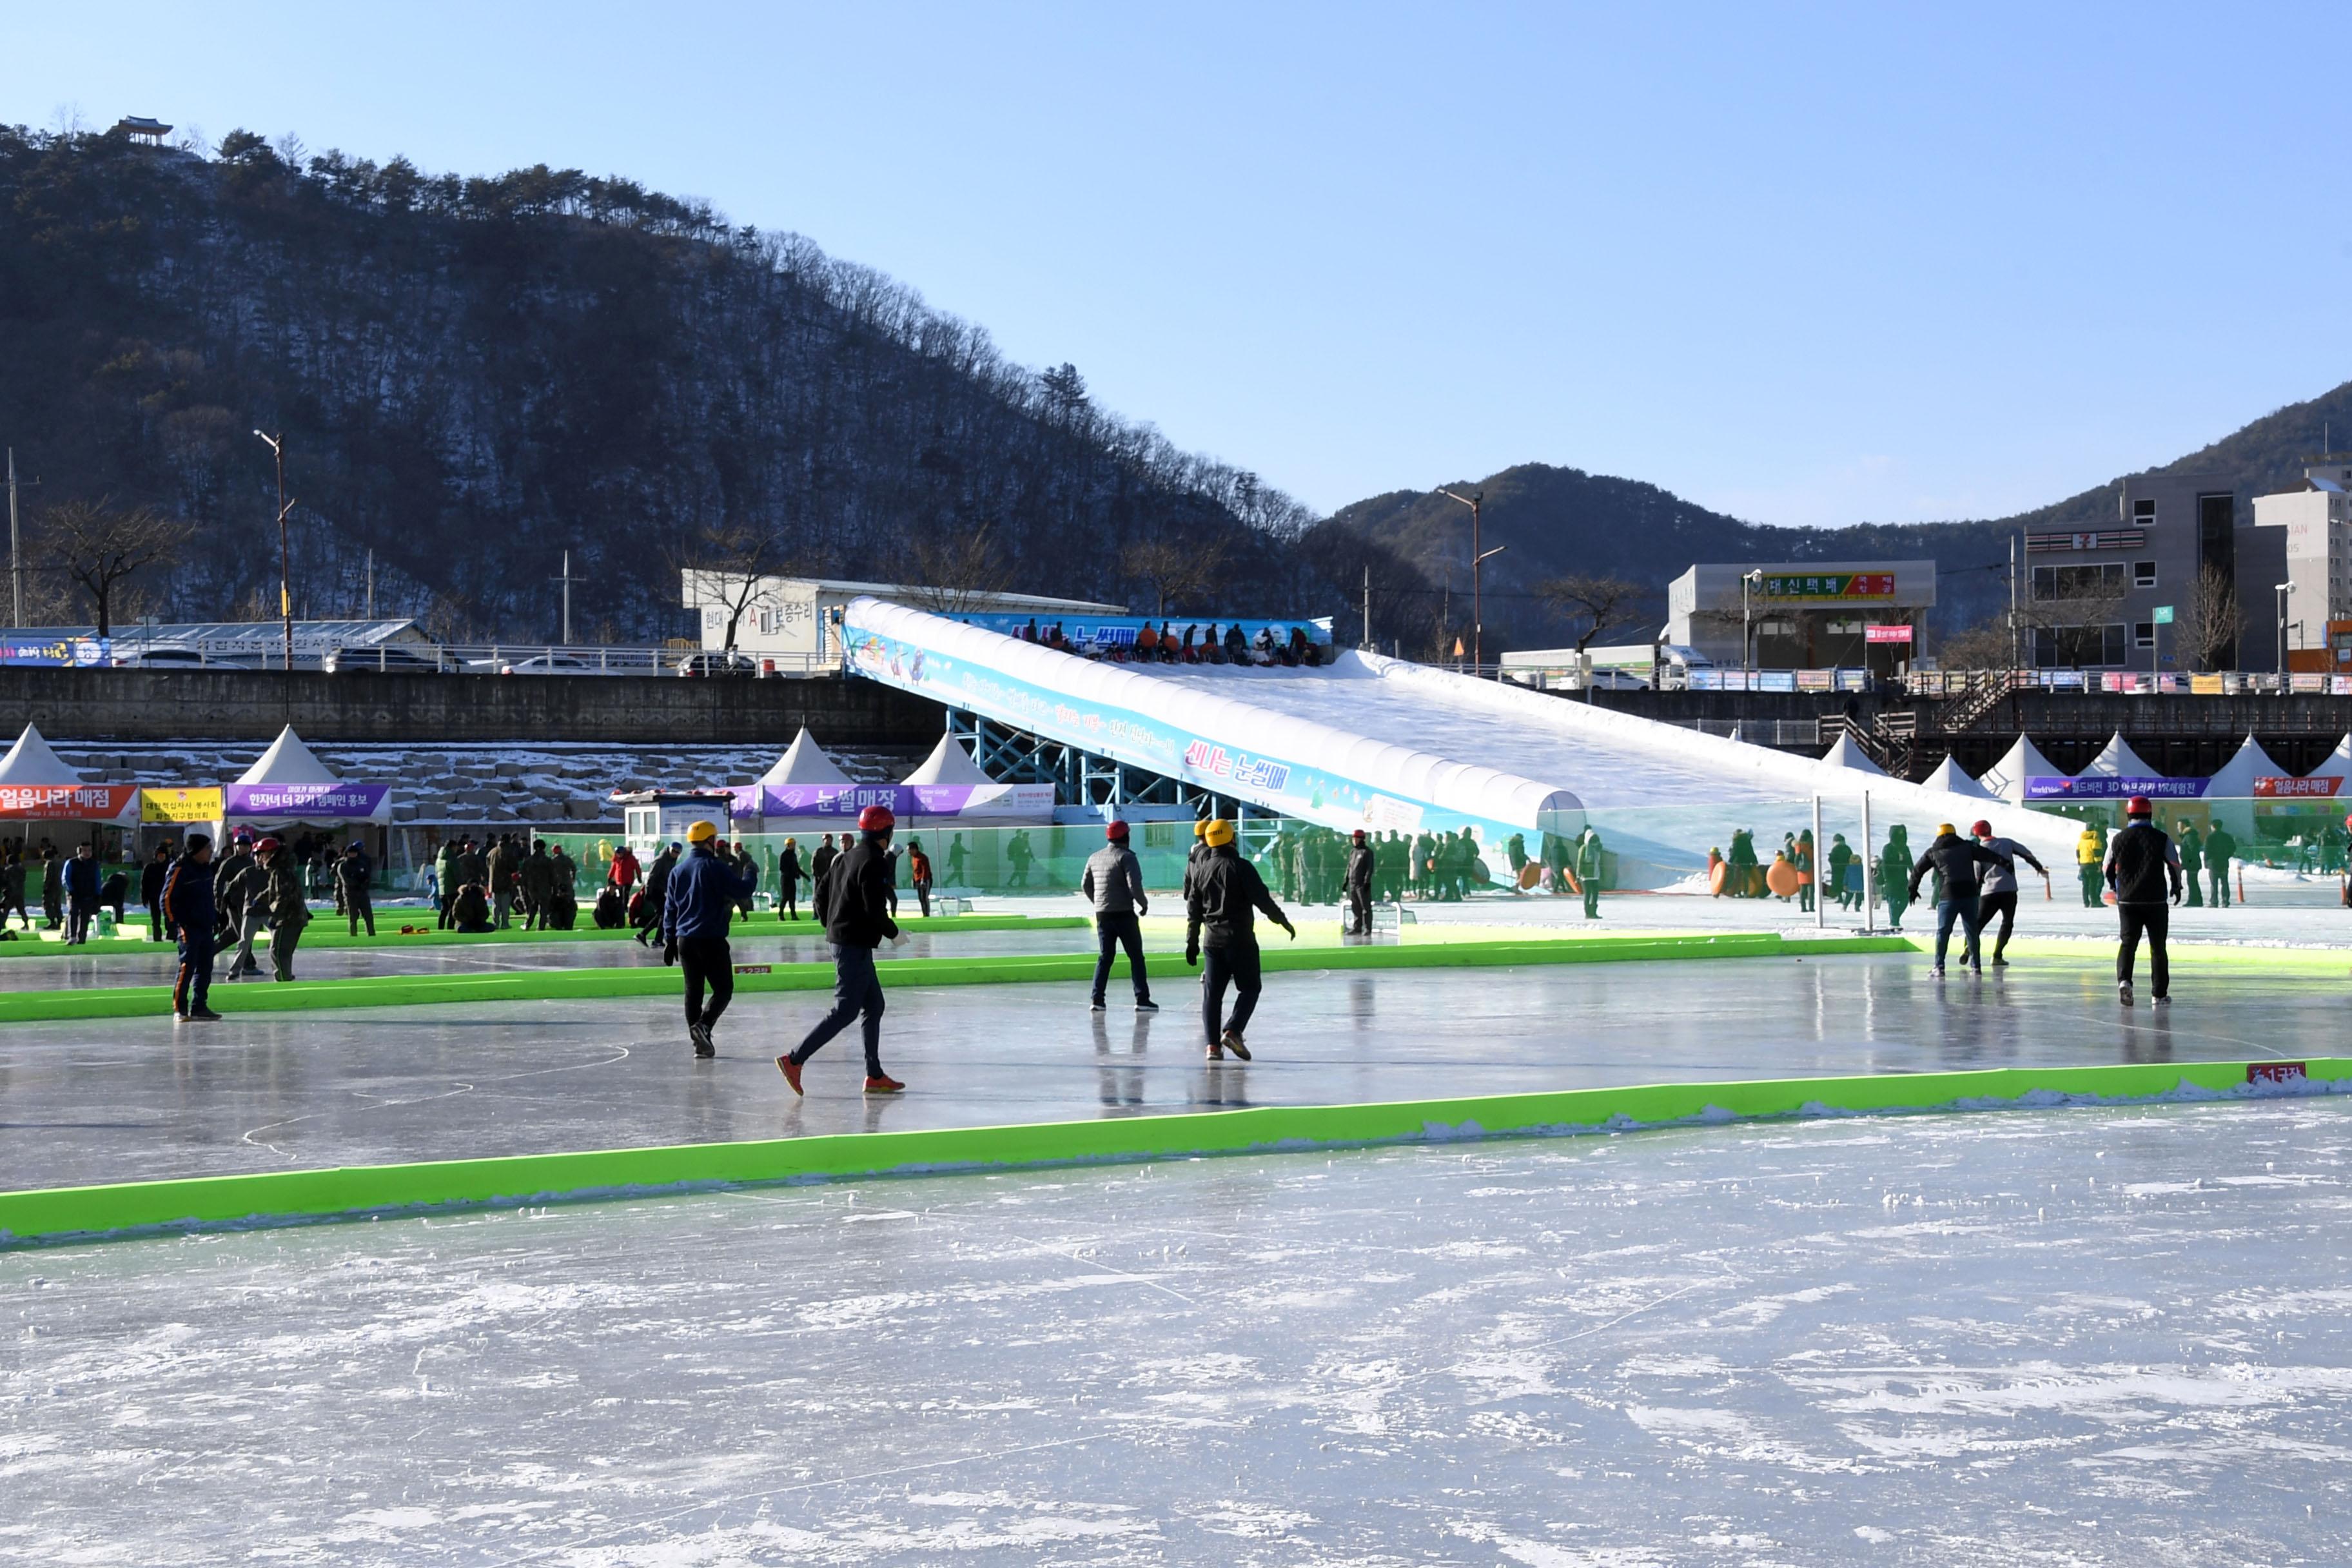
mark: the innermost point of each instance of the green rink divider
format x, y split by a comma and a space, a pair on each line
1003, 969
62, 1214
389, 937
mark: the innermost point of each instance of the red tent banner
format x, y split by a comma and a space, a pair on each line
2320, 788
68, 803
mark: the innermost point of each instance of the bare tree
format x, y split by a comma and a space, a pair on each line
958, 570
2211, 621
99, 547
1599, 604
729, 562
1175, 569
1988, 645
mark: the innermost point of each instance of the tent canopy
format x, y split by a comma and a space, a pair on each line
2337, 764
949, 763
2118, 761
1846, 754
804, 763
288, 761
2235, 779
31, 762
1952, 778
2005, 780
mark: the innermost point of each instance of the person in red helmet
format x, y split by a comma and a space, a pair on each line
1998, 894
2141, 862
853, 902
1113, 882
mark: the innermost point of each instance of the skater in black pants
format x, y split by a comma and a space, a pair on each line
1113, 882
354, 879
656, 893
185, 911
150, 890
788, 881
2142, 869
1955, 860
698, 898
1218, 921
853, 901
1999, 896
1359, 880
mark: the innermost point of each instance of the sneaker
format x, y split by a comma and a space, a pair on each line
1938, 971
1145, 1005
2123, 992
1999, 962
204, 1015
2164, 1001
1096, 1005
700, 1035
178, 1016
1235, 1044
791, 1071
1216, 1053
882, 1083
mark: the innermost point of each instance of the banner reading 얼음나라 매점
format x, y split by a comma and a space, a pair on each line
2063, 788
69, 803
180, 805
315, 802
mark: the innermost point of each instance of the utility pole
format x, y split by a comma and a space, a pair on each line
1368, 607
15, 547
1477, 502
371, 585
1747, 622
2014, 651
285, 566
567, 579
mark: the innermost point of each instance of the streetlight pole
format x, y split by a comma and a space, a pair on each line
1747, 580
567, 579
285, 569
2279, 589
1477, 502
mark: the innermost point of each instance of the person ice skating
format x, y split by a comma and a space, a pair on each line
747, 866
1196, 857
536, 880
955, 862
1955, 862
150, 890
12, 890
1113, 883
788, 881
1589, 860
272, 888
1218, 921
53, 887
1895, 875
697, 901
656, 892
185, 910
566, 878
505, 867
229, 889
918, 874
1840, 856
2090, 851
1018, 852
354, 885
2191, 849
820, 867
82, 887
2143, 869
1997, 895
1805, 879
853, 901
2220, 848
622, 874
1361, 865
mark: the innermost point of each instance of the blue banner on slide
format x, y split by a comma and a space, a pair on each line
2063, 788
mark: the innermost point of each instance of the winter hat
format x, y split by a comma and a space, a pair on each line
1116, 831
701, 833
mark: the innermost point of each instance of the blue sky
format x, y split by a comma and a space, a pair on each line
1803, 263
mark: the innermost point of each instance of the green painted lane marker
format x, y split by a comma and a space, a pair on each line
281, 1196
1005, 969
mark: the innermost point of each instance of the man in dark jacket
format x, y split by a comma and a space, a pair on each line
229, 899
82, 884
1954, 859
1218, 920
1591, 861
656, 894
151, 891
1361, 867
820, 867
853, 901
2144, 870
504, 863
53, 887
1198, 855
698, 898
1113, 882
2220, 848
355, 881
1998, 894
536, 877
788, 881
185, 910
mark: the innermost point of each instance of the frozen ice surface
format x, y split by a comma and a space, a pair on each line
121, 1099
2077, 1337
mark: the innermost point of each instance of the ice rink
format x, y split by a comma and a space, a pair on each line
2079, 1337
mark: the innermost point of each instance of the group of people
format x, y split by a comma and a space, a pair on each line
1165, 645
2205, 861
477, 886
257, 889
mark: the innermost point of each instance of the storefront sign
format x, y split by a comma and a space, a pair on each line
180, 805
316, 801
1886, 634
2320, 788
2100, 538
1830, 587
60, 651
2063, 788
68, 802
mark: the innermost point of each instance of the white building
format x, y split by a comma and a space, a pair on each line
786, 619
1803, 615
2318, 524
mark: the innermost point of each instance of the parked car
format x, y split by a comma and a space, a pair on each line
388, 658
544, 664
696, 666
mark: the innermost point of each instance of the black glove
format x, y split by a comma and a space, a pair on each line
669, 951
1192, 953
1291, 929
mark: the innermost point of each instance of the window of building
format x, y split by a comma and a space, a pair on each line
2096, 581
2143, 573
2143, 633
2144, 512
2078, 647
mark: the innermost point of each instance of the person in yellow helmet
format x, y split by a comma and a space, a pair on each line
1218, 907
2090, 856
696, 905
1197, 855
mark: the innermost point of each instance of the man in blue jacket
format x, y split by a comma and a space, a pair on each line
188, 914
697, 903
81, 893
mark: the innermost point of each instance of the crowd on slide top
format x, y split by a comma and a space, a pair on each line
1165, 645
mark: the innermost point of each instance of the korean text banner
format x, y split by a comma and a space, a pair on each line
180, 805
68, 803
2063, 788
318, 802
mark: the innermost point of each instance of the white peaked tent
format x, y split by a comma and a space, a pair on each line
2005, 780
2337, 764
1952, 778
1846, 754
949, 763
291, 784
31, 762
2235, 779
288, 761
803, 762
2117, 761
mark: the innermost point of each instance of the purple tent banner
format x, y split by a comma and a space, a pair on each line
328, 801
2063, 788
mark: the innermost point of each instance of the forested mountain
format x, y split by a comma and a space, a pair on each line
474, 375
1561, 522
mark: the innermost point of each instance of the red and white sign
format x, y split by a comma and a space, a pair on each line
68, 803
2296, 789
1886, 634
2277, 1073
